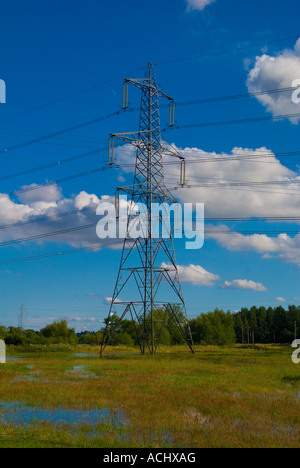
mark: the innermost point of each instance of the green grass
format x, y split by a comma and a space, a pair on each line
220, 397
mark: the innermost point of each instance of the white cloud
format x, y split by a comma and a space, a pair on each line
198, 4
195, 275
224, 182
81, 319
215, 179
84, 199
276, 72
282, 246
11, 212
280, 299
48, 202
107, 300
244, 284
48, 194
205, 172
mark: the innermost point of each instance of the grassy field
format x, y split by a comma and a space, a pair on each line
220, 397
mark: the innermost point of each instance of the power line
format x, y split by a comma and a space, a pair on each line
68, 96
255, 219
92, 225
234, 96
42, 138
53, 164
120, 243
228, 187
233, 183
47, 234
60, 132
103, 168
255, 155
48, 217
244, 157
61, 252
53, 143
90, 139
88, 226
224, 51
96, 86
54, 182
233, 122
93, 208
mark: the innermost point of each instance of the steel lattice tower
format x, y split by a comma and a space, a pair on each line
148, 264
21, 317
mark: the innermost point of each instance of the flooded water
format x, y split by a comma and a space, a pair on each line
21, 415
84, 354
82, 372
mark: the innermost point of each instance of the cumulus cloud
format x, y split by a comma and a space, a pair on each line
274, 72
85, 199
245, 182
48, 203
194, 274
280, 299
34, 193
198, 4
244, 284
282, 246
222, 181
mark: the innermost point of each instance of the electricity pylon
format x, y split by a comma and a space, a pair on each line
21, 317
148, 263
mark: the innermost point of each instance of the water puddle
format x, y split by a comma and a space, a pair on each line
89, 420
21, 415
84, 354
82, 372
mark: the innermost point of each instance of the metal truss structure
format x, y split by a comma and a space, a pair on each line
148, 272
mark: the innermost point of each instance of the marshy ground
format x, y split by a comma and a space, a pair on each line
219, 397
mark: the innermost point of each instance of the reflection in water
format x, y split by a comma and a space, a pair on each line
21, 415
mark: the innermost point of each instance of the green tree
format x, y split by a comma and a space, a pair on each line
253, 323
239, 328
14, 336
3, 332
59, 332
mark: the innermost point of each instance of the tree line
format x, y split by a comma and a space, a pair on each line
247, 326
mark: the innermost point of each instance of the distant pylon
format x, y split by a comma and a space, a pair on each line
21, 317
148, 273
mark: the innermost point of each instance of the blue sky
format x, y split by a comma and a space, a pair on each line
63, 63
